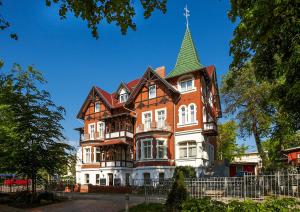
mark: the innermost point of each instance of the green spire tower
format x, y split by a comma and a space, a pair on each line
187, 59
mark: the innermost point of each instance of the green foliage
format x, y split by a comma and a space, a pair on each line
151, 207
269, 205
248, 101
31, 133
178, 193
226, 141
187, 171
268, 35
95, 12
203, 204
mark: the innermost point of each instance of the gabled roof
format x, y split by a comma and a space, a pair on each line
108, 98
143, 80
187, 59
103, 95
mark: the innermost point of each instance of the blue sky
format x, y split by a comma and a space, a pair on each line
72, 61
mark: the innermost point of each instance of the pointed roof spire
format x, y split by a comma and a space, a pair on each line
187, 59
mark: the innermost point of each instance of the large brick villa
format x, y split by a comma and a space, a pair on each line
148, 126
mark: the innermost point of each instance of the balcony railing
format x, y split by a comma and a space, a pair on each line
118, 163
153, 126
210, 128
94, 136
103, 136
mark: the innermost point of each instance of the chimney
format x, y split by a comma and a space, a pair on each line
161, 71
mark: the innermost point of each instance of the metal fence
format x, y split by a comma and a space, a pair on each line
246, 187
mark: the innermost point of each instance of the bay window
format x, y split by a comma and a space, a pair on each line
161, 152
87, 155
147, 148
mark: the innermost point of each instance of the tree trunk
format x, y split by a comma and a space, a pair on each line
259, 147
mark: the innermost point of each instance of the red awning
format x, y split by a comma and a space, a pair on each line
112, 142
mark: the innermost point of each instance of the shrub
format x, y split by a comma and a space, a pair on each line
151, 207
272, 204
46, 196
188, 171
203, 204
247, 205
178, 193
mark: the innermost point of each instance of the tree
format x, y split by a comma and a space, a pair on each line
248, 101
268, 35
95, 12
178, 193
36, 140
226, 141
187, 171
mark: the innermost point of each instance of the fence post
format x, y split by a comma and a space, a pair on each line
126, 202
245, 187
145, 193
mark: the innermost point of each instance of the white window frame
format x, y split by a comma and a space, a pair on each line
95, 109
165, 146
143, 119
187, 120
185, 79
190, 114
86, 176
186, 147
98, 179
123, 97
95, 154
84, 155
152, 96
156, 116
180, 115
150, 140
92, 135
98, 129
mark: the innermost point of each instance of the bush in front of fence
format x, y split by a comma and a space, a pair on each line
178, 194
269, 205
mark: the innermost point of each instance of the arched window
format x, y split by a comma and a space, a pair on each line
182, 115
192, 113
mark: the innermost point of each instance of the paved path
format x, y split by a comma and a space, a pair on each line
85, 203
92, 203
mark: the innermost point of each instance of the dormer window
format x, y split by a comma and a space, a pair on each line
97, 107
186, 84
152, 91
123, 97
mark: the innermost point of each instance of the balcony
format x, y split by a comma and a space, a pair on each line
210, 128
94, 136
118, 163
153, 126
105, 136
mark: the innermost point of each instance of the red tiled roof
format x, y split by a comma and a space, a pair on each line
110, 98
132, 84
113, 142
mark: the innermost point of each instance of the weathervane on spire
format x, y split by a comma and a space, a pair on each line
186, 14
